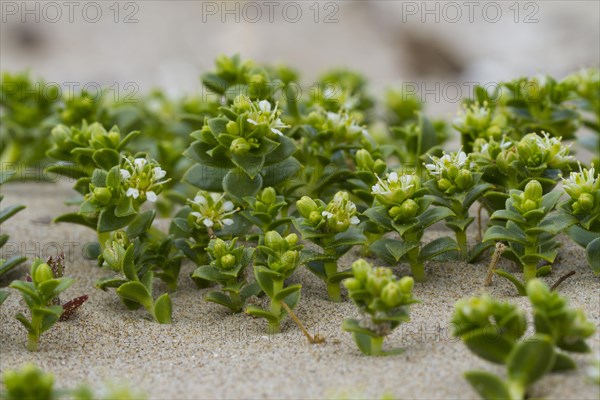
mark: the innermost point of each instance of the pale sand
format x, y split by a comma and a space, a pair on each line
209, 353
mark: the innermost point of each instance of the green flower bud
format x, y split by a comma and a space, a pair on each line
314, 218
529, 205
409, 209
444, 184
364, 161
290, 259
274, 240
227, 261
292, 239
464, 179
538, 292
239, 146
269, 196
220, 248
379, 167
378, 279
306, 206
533, 191
585, 202
395, 212
42, 274
352, 284
406, 284
232, 128
391, 294
361, 269
102, 195
114, 138
260, 206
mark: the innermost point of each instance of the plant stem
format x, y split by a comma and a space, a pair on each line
276, 307
317, 339
529, 271
416, 265
333, 289
377, 345
32, 342
500, 247
461, 240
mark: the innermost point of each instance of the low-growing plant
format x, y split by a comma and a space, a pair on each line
583, 188
227, 267
41, 297
332, 227
266, 211
30, 382
456, 186
511, 165
530, 230
7, 265
403, 206
383, 302
275, 259
242, 151
495, 332
134, 281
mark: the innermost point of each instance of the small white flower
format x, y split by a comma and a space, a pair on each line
151, 196
140, 163
208, 222
354, 220
227, 221
196, 214
265, 106
159, 173
132, 192
393, 177
200, 200
327, 214
253, 122
228, 206
125, 174
376, 188
276, 131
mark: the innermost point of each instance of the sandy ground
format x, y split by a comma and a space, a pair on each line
208, 353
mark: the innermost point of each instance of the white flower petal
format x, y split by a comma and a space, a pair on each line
354, 220
208, 222
200, 200
159, 173
327, 214
132, 192
227, 221
140, 162
264, 106
276, 131
253, 122
196, 214
151, 196
227, 206
125, 174
393, 177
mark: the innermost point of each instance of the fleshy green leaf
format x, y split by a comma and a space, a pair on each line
488, 385
531, 359
163, 309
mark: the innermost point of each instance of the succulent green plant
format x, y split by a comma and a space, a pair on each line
511, 165
530, 230
276, 259
266, 211
583, 188
227, 267
132, 262
30, 382
403, 206
242, 151
478, 121
456, 186
9, 264
383, 302
41, 297
332, 227
495, 332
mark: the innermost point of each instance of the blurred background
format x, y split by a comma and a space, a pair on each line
440, 46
